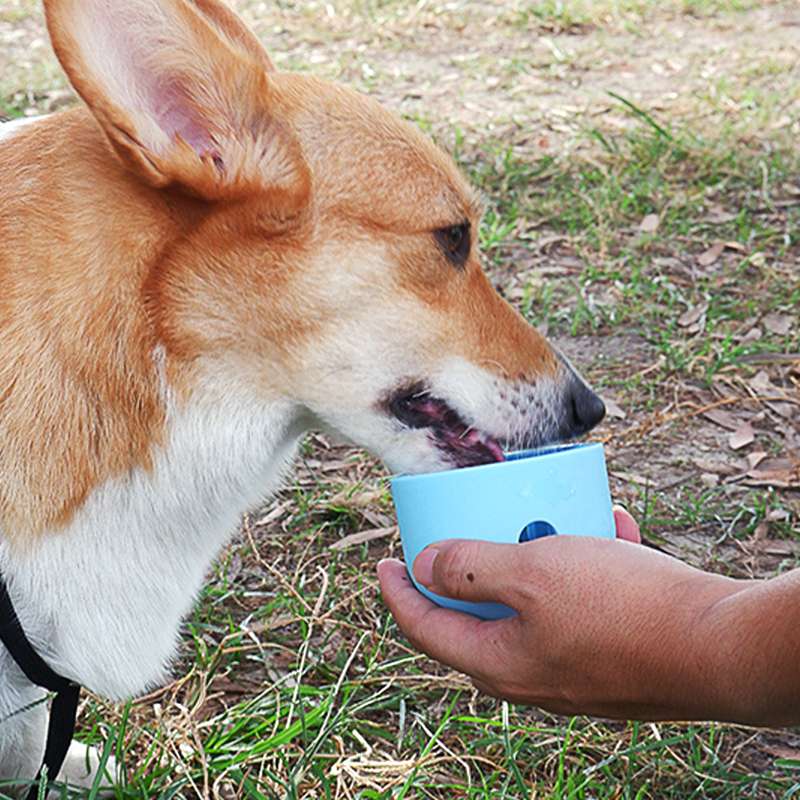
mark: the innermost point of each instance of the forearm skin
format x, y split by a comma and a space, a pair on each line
757, 631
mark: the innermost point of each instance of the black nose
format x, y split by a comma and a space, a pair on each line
584, 408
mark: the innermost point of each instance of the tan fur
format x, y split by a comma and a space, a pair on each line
117, 241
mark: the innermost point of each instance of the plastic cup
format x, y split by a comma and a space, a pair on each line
534, 493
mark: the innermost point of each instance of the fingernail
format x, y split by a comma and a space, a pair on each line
423, 566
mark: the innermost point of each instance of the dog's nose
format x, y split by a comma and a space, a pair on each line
584, 408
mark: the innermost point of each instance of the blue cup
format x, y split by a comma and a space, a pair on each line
534, 493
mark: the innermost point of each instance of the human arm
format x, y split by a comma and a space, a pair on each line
608, 628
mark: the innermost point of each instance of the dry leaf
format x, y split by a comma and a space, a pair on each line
719, 216
717, 467
742, 436
350, 499
711, 255
781, 751
782, 462
779, 324
650, 223
754, 459
631, 477
761, 531
785, 410
692, 315
779, 548
753, 335
761, 383
722, 418
363, 536
709, 479
274, 514
613, 409
782, 473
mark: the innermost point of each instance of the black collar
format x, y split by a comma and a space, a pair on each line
64, 708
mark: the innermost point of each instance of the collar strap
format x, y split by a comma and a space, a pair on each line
64, 708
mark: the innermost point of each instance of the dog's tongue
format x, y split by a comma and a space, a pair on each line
477, 440
469, 446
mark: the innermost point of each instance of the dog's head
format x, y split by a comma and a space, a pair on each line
326, 251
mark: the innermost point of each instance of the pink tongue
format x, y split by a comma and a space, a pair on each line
494, 448
473, 437
468, 438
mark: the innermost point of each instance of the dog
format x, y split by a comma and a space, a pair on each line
204, 261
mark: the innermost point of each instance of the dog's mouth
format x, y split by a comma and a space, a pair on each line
461, 444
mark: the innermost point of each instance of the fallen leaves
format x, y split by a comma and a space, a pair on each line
722, 418
781, 473
650, 223
613, 409
357, 499
717, 215
742, 436
712, 466
779, 324
363, 536
693, 316
778, 547
711, 255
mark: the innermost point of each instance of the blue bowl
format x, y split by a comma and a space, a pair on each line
534, 493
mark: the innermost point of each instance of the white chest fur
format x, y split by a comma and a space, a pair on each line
8, 129
103, 598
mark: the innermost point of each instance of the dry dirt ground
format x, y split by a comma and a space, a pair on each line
643, 210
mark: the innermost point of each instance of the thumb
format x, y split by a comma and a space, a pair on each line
627, 527
466, 569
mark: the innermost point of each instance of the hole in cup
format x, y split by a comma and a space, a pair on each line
537, 529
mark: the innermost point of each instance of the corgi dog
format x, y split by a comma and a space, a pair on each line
203, 261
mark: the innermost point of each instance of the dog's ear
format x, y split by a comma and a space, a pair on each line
183, 92
230, 25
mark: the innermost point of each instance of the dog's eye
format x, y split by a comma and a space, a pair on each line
454, 242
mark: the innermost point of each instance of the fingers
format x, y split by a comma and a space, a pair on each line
461, 641
627, 527
480, 571
465, 569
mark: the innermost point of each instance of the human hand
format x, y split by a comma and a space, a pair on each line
604, 627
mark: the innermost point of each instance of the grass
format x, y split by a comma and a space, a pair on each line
293, 681
575, 16
702, 191
10, 110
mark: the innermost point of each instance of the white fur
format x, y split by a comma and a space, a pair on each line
498, 406
8, 129
102, 599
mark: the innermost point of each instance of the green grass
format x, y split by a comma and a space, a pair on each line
345, 718
575, 16
702, 190
11, 110
293, 681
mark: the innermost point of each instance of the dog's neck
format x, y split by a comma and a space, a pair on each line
101, 585
81, 398
103, 598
